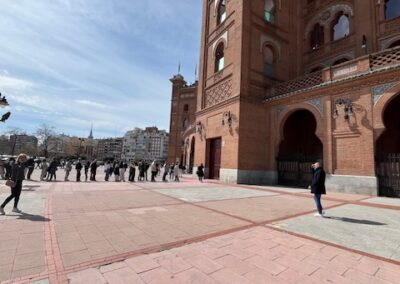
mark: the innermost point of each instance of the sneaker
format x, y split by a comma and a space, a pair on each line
2, 211
16, 210
318, 215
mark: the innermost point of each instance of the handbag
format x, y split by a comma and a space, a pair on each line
11, 183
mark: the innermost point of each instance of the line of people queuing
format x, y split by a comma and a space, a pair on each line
136, 170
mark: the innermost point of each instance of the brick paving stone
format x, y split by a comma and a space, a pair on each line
142, 263
259, 276
389, 275
175, 264
157, 276
112, 266
122, 276
229, 276
266, 264
194, 276
91, 275
364, 278
204, 264
235, 264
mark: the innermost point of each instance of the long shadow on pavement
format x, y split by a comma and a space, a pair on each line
31, 217
356, 221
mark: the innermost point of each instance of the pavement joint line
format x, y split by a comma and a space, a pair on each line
377, 257
209, 209
54, 253
326, 197
153, 249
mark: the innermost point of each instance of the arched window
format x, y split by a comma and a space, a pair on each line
221, 12
317, 37
269, 60
395, 44
219, 57
186, 108
185, 124
340, 61
392, 9
269, 11
340, 27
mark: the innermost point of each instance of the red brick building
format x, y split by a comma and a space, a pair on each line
286, 82
182, 122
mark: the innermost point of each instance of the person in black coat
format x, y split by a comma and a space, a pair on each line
200, 172
17, 176
78, 168
318, 187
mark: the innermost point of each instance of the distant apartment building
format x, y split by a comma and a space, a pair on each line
148, 144
23, 143
110, 148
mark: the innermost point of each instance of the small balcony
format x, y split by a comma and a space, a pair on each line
361, 66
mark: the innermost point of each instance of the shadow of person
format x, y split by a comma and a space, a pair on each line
356, 221
29, 187
32, 217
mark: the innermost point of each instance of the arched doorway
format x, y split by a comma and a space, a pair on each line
191, 157
299, 148
388, 151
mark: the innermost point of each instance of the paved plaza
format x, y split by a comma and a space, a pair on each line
192, 232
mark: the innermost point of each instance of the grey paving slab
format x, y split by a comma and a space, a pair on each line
384, 201
283, 189
371, 230
193, 194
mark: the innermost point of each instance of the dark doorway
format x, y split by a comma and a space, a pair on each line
388, 152
214, 160
298, 150
191, 157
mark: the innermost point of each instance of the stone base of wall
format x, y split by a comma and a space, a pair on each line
248, 177
352, 184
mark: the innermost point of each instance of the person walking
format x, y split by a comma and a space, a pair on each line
45, 167
30, 165
67, 169
141, 171
78, 168
171, 171
132, 171
153, 169
176, 172
116, 172
200, 172
86, 170
93, 170
17, 176
318, 187
52, 170
165, 173
122, 170
107, 167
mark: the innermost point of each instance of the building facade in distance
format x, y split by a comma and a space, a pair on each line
23, 143
148, 144
285, 83
110, 148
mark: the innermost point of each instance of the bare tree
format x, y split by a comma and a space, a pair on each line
45, 133
14, 132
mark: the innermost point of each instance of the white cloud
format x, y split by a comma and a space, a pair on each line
14, 83
91, 104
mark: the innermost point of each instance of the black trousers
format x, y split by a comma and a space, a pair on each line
132, 173
78, 175
30, 171
15, 193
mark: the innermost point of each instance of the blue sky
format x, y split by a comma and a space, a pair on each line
71, 63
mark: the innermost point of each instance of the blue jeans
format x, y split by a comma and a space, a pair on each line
317, 199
